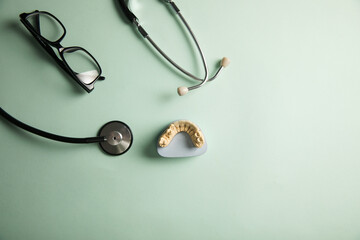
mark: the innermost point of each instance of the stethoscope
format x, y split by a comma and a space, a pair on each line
114, 137
181, 90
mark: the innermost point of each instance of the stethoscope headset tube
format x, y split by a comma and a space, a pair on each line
115, 137
181, 90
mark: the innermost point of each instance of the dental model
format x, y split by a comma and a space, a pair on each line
190, 128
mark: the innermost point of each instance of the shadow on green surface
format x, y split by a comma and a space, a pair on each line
16, 27
150, 149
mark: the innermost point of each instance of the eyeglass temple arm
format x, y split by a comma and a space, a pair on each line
37, 22
49, 135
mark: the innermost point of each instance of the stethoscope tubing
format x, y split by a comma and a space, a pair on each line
48, 135
179, 67
203, 80
132, 18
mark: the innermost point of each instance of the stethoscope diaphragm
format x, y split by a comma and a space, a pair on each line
118, 138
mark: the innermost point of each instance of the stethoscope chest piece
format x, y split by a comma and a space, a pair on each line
118, 138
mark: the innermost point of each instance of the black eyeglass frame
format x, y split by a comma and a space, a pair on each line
47, 45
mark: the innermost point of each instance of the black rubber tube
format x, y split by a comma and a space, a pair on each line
177, 10
49, 135
128, 14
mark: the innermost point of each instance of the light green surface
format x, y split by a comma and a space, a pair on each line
282, 124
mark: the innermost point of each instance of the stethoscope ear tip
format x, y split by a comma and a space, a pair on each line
225, 62
182, 91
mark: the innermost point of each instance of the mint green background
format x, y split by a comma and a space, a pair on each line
282, 124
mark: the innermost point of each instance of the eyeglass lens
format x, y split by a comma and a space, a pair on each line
46, 26
79, 61
82, 64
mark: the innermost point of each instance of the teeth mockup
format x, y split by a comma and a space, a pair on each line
182, 126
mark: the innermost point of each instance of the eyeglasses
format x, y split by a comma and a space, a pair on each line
76, 61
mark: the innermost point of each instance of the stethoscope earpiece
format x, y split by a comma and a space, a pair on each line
184, 90
225, 62
181, 90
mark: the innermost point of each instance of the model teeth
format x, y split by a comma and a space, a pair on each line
182, 126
